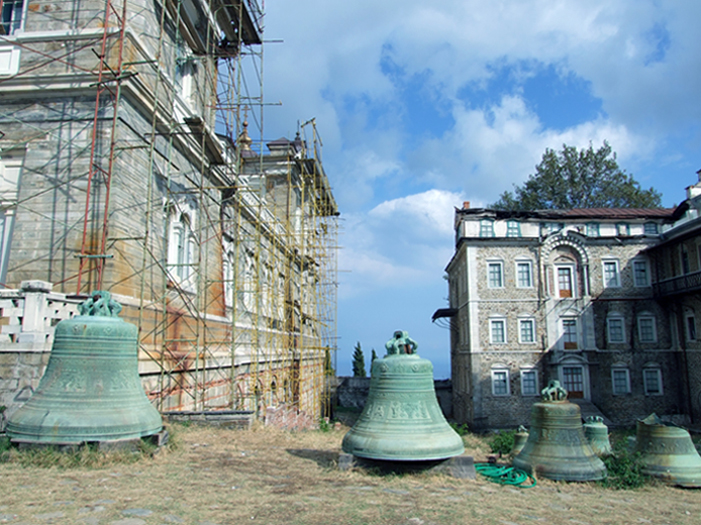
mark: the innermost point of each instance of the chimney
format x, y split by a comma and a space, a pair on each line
466, 204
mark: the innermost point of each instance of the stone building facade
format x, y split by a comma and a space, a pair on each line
575, 295
121, 169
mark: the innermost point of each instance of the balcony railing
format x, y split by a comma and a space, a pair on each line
681, 284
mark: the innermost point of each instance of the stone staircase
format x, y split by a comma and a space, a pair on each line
590, 409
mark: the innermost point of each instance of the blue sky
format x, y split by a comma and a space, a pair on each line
423, 105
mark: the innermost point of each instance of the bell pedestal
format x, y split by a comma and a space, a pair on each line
402, 420
91, 390
556, 447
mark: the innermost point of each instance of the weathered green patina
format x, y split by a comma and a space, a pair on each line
556, 447
667, 452
91, 390
402, 420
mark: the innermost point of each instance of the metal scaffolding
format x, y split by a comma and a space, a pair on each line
223, 253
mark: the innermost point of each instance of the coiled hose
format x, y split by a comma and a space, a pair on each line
505, 475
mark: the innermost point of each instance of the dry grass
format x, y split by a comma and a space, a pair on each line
272, 477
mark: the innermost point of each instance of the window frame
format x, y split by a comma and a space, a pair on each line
13, 26
504, 337
690, 332
228, 271
653, 319
646, 383
609, 321
608, 263
567, 334
529, 372
500, 265
495, 372
646, 265
622, 229
626, 371
651, 228
571, 268
593, 229
513, 229
486, 228
524, 263
522, 322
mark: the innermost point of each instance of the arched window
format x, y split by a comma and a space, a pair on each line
182, 245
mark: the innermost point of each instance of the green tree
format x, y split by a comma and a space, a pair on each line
328, 364
358, 362
374, 356
572, 178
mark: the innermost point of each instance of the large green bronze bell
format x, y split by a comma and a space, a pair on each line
91, 390
556, 448
402, 420
667, 452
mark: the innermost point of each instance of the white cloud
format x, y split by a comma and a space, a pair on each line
400, 241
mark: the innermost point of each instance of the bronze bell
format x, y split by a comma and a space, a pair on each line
520, 439
556, 448
597, 434
667, 452
91, 390
402, 420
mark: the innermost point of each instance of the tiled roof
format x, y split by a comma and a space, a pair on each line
583, 213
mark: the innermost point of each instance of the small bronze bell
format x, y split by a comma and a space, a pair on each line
520, 439
91, 390
556, 448
667, 452
401, 420
597, 435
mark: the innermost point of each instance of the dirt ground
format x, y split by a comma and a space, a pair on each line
219, 476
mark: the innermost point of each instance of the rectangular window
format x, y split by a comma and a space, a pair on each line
652, 381
526, 330
529, 383
495, 277
641, 276
486, 228
685, 259
524, 274
593, 229
12, 16
690, 328
497, 331
616, 332
553, 227
647, 331
500, 382
564, 281
513, 229
651, 228
612, 278
623, 229
569, 334
573, 381
620, 379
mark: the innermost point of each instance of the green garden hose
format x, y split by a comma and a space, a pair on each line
505, 475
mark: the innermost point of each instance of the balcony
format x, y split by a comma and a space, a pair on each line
682, 284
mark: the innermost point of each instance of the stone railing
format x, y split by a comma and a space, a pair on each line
27, 320
28, 316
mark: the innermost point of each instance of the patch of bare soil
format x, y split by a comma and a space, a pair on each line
267, 476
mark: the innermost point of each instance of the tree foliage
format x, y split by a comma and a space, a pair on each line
328, 364
572, 179
374, 356
358, 362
